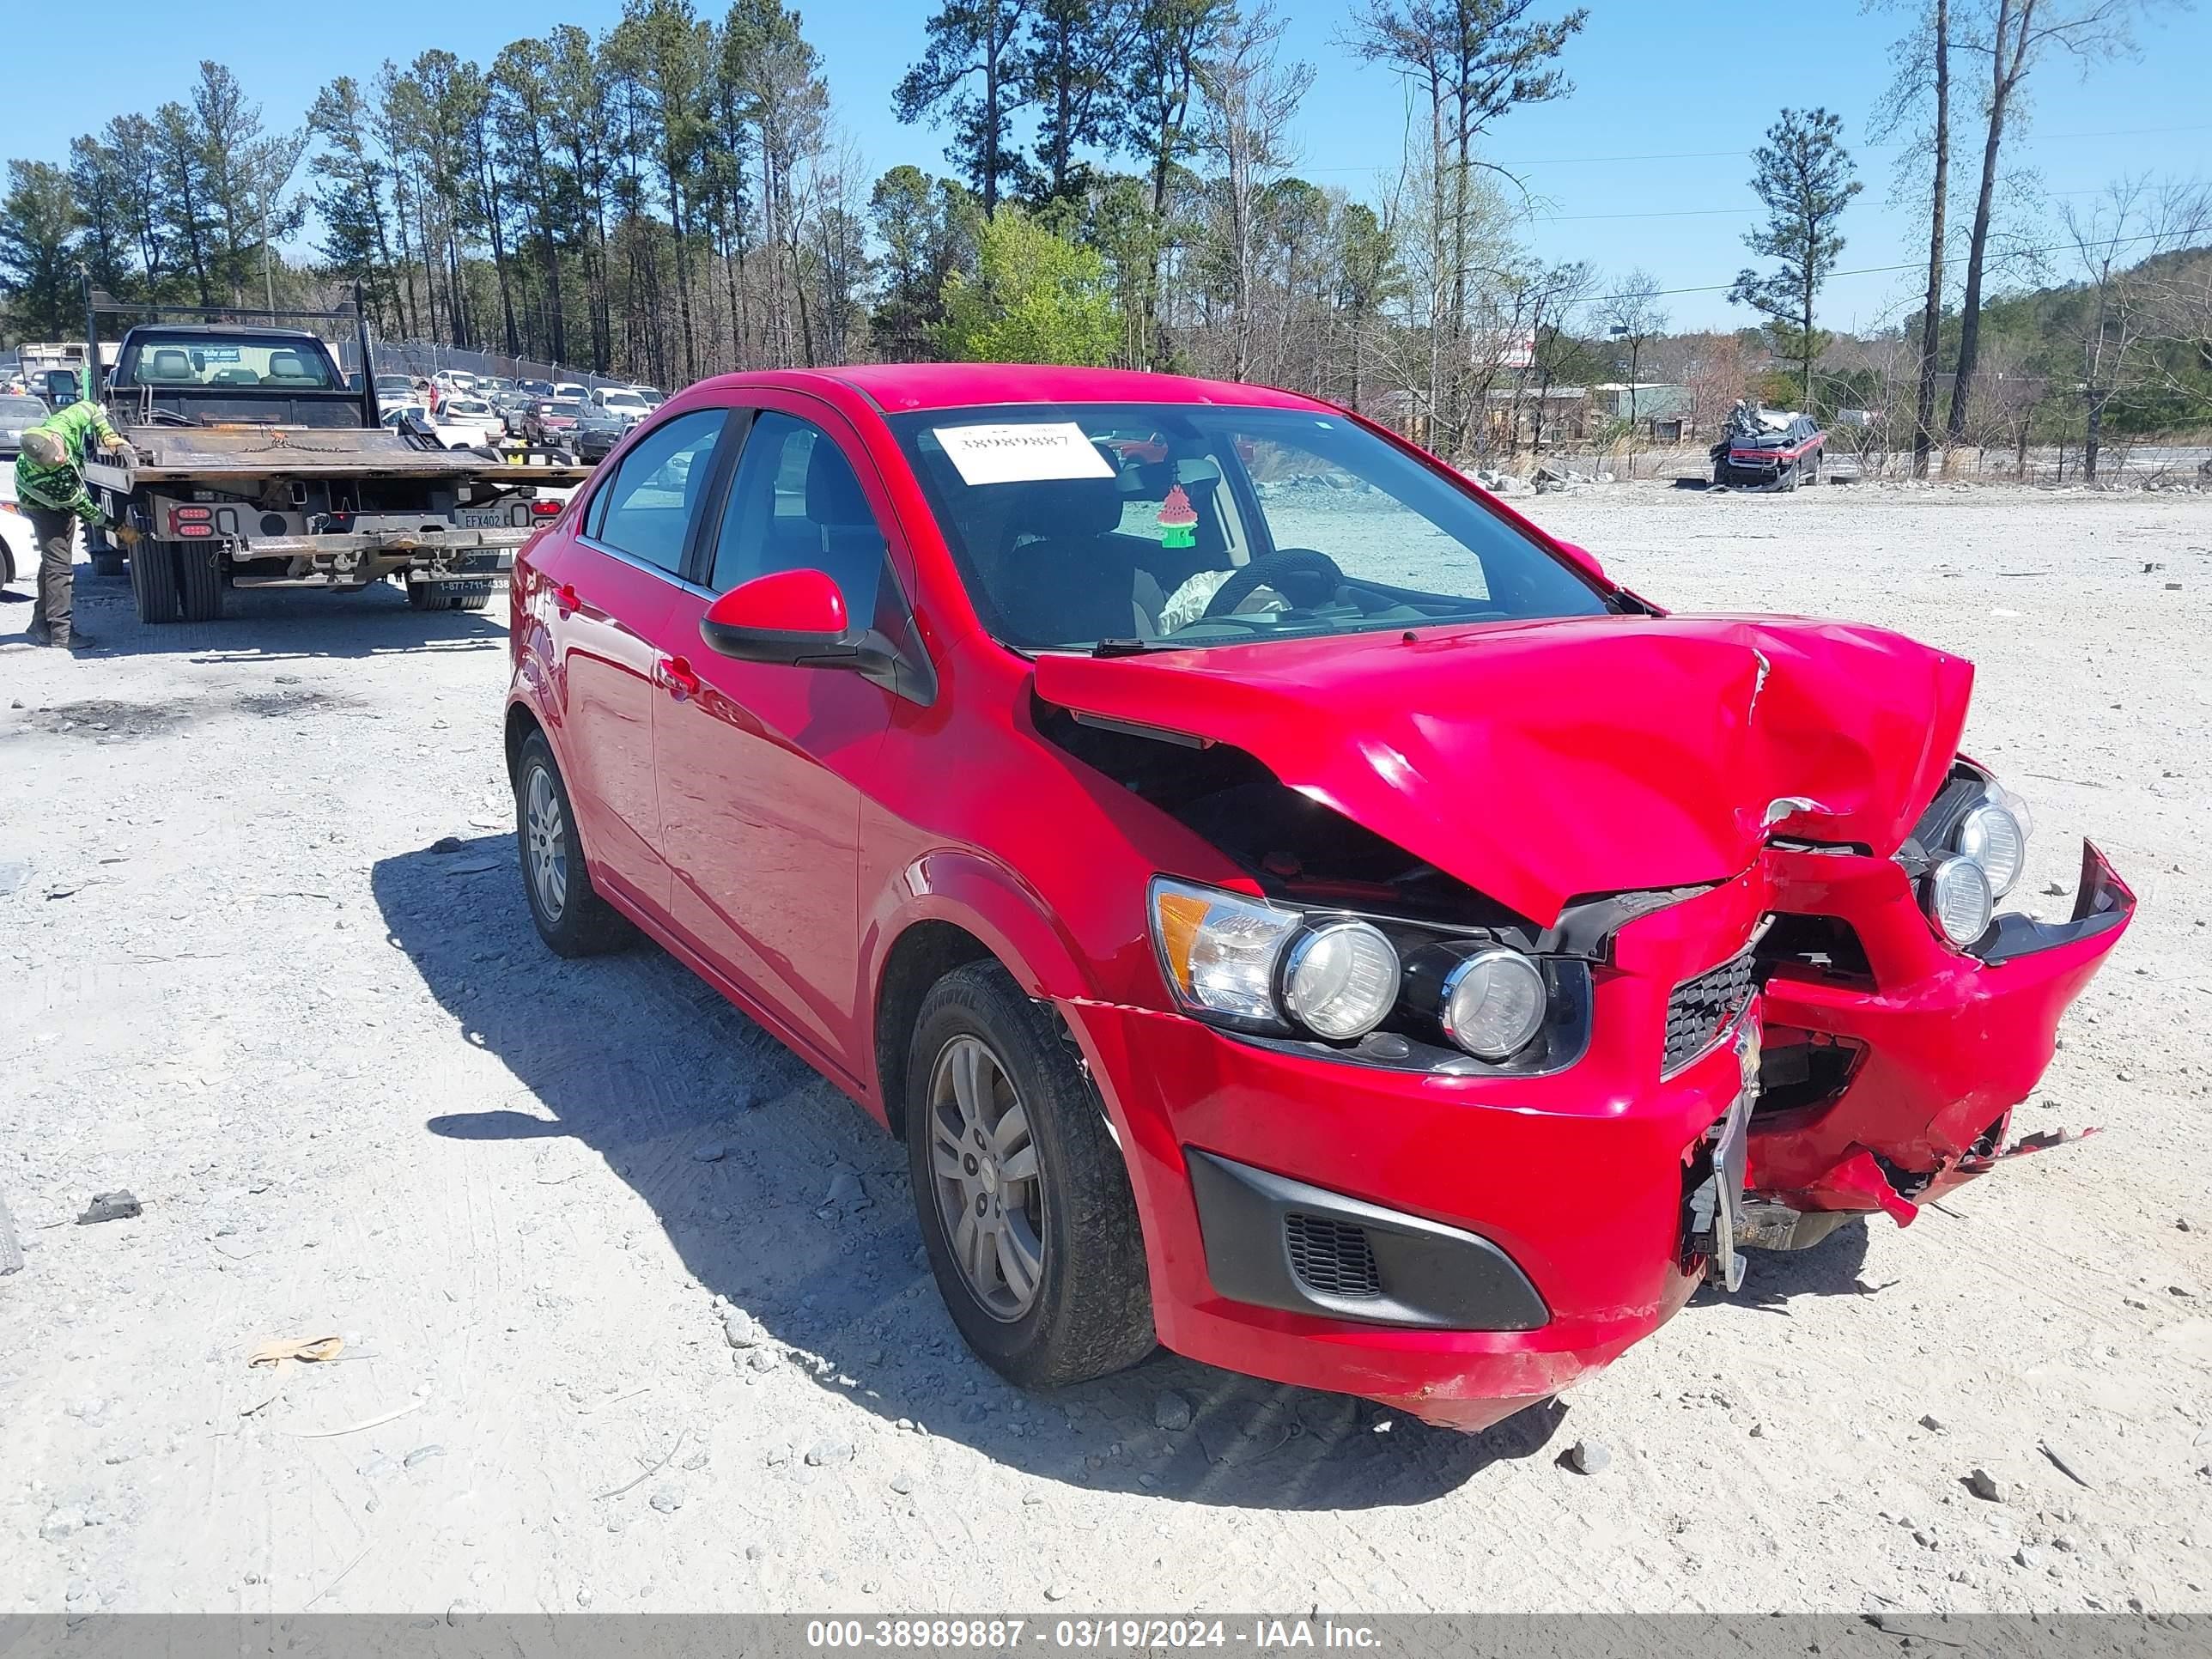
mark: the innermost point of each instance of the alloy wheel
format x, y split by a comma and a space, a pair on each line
545, 835
990, 1191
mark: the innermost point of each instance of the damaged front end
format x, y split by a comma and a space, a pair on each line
1720, 856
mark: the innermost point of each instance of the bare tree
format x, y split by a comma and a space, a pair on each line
1631, 313
1249, 99
2131, 222
1473, 61
2015, 36
1922, 84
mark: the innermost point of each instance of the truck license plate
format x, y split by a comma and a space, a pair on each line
481, 518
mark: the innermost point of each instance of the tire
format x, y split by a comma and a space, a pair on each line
154, 581
572, 918
110, 565
1814, 468
1720, 474
433, 596
1071, 1226
199, 585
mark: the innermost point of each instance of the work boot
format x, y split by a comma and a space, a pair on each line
37, 633
78, 640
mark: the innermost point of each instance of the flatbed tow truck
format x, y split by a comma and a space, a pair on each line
252, 464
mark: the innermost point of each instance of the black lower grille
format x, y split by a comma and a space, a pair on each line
1331, 1258
1701, 1009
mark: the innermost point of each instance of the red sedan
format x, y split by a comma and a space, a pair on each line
1293, 908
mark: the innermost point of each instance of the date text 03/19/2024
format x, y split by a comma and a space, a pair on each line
1095, 1634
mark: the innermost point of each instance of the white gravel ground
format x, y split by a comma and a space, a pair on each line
607, 1347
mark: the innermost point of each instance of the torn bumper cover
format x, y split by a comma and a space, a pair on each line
1930, 1050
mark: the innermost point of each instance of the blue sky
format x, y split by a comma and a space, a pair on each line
1644, 165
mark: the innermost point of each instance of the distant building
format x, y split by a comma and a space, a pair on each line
1663, 410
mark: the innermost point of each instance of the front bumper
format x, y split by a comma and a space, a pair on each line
1570, 1193
1944, 1043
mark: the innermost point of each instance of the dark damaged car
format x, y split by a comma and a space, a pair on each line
1294, 910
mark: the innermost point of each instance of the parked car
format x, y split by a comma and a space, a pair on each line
1768, 449
597, 431
1294, 910
19, 548
553, 420
467, 434
572, 392
470, 420
622, 401
535, 388
18, 414
397, 389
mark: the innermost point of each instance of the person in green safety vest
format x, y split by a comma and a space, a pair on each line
50, 492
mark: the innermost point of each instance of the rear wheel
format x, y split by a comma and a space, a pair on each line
154, 581
1022, 1196
571, 916
106, 563
199, 585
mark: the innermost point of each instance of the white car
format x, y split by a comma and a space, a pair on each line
18, 549
621, 400
464, 422
465, 431
569, 391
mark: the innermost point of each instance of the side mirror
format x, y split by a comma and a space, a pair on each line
794, 617
1585, 560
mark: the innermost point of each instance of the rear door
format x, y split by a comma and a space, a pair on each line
616, 581
762, 767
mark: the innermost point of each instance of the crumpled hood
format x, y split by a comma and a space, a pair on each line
1542, 762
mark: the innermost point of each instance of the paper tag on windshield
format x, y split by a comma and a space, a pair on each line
1023, 453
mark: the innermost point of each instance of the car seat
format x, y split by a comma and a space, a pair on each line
169, 367
289, 369
1066, 575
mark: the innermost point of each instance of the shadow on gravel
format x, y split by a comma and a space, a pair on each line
1774, 1279
735, 1143
281, 624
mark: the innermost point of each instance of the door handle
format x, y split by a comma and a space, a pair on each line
677, 676
567, 598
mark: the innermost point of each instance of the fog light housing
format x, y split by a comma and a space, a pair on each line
1958, 900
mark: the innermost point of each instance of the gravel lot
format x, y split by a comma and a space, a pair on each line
608, 1345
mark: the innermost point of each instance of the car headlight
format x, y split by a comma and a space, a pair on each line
1218, 950
1341, 979
1494, 1004
1993, 836
1958, 899
1489, 1000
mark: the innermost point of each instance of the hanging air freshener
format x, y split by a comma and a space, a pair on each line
1178, 520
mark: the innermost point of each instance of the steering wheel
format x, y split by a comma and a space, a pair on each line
1304, 576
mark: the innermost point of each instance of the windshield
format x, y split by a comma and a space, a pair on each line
466, 406
1189, 525
196, 360
622, 400
21, 408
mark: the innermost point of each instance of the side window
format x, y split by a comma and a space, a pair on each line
796, 505
645, 509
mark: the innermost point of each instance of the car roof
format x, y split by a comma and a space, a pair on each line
895, 388
216, 331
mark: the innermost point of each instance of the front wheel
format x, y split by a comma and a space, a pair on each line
1022, 1199
571, 916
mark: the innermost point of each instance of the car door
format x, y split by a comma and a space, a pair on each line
615, 581
760, 765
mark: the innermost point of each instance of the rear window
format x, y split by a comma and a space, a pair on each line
197, 361
21, 408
